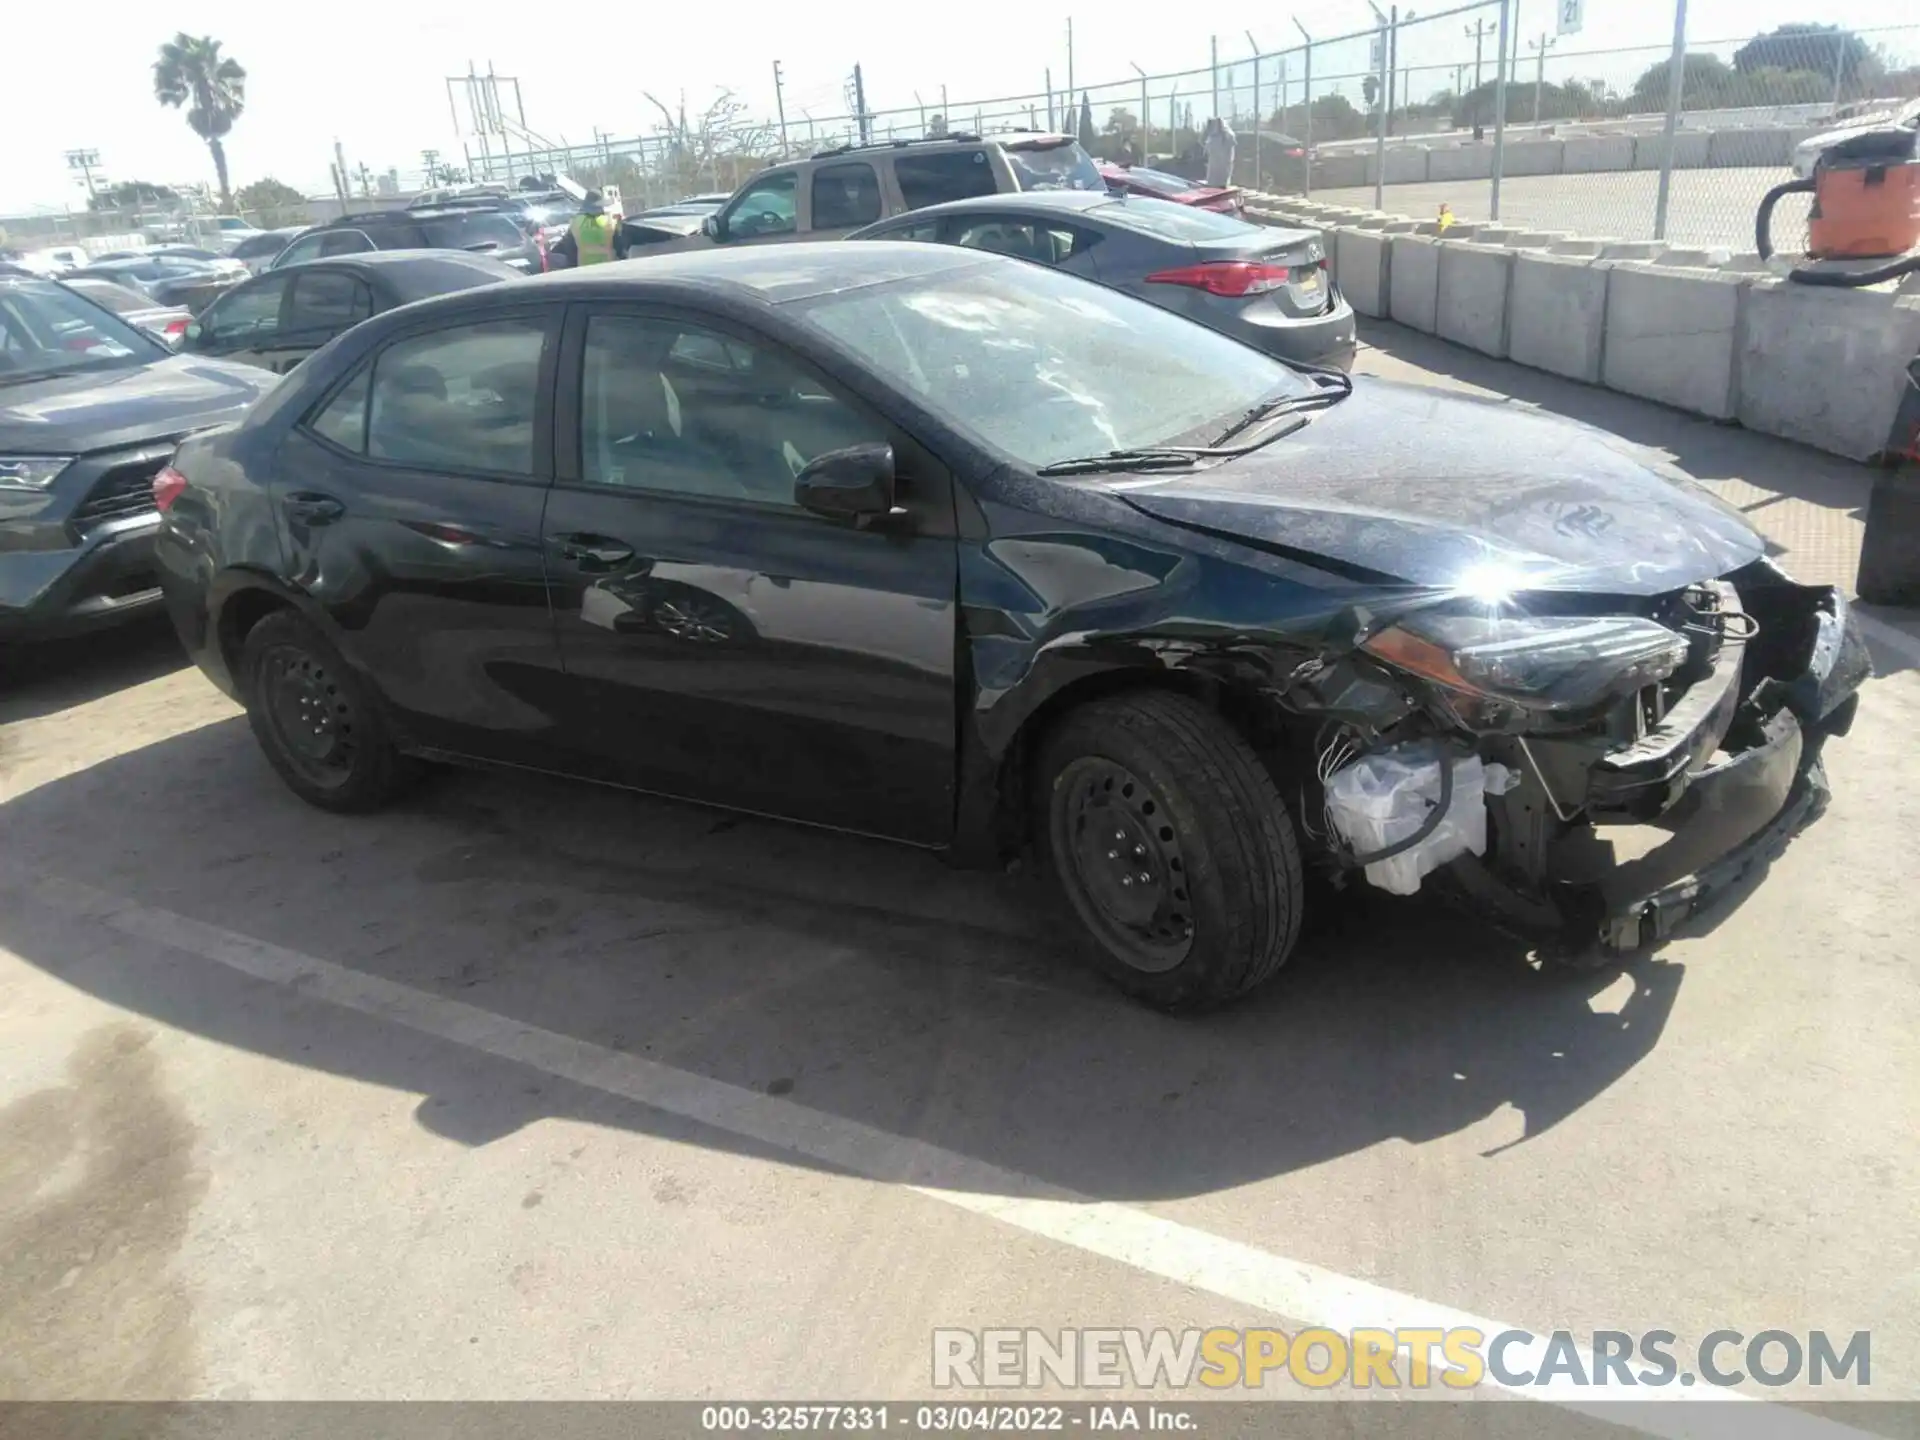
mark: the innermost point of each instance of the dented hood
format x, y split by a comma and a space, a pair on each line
1401, 483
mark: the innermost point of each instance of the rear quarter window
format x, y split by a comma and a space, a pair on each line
945, 175
461, 232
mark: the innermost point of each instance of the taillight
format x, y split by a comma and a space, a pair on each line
1232, 278
168, 486
178, 327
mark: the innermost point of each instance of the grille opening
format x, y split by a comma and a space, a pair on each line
124, 490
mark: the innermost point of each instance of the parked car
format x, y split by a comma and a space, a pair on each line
1264, 285
278, 319
55, 259
1024, 562
230, 231
1159, 185
482, 231
169, 279
166, 323
257, 252
658, 227
90, 410
839, 190
1806, 152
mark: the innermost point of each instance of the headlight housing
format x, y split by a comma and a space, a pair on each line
1545, 662
31, 472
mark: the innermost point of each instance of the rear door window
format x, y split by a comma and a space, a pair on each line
845, 196
326, 302
245, 318
486, 230
460, 400
344, 242
1047, 243
945, 175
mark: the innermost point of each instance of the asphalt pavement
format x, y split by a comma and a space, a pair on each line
532, 1090
1711, 209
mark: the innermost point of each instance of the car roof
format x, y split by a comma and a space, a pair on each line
407, 217
768, 274
1041, 204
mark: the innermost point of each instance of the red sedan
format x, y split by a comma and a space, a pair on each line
1139, 180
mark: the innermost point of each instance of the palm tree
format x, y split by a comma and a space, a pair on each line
192, 72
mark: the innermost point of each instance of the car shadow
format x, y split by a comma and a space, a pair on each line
1703, 448
47, 676
860, 979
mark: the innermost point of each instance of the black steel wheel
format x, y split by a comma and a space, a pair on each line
1171, 846
316, 721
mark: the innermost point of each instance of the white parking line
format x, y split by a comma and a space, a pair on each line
1892, 636
1286, 1288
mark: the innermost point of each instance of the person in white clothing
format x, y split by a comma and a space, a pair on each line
1218, 139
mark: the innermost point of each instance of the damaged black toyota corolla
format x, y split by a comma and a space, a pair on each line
960, 551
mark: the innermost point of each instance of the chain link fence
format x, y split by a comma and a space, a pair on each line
1407, 116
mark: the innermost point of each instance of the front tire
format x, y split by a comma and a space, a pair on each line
316, 720
1170, 843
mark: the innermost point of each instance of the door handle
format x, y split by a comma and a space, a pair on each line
593, 552
311, 509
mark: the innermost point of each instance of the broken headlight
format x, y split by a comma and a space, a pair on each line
1547, 662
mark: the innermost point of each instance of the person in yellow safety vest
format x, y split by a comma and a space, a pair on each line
594, 237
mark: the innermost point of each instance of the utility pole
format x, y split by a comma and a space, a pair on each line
1070, 91
1146, 118
860, 107
1478, 30
1049, 79
1545, 43
366, 181
85, 161
780, 105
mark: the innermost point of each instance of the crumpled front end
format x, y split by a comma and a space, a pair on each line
1628, 792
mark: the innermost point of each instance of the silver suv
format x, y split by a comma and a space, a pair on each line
838, 191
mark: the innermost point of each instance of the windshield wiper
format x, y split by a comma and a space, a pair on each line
1150, 457
1334, 386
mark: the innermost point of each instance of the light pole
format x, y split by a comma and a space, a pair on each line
1146, 117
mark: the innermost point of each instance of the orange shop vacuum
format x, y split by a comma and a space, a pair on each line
1866, 206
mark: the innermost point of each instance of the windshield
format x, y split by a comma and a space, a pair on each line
1055, 165
117, 298
464, 232
1044, 367
46, 329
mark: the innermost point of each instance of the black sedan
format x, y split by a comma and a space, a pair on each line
90, 410
958, 550
277, 319
178, 280
1263, 285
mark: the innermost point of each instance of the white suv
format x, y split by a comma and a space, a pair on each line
837, 191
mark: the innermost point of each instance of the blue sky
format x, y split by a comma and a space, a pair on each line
371, 74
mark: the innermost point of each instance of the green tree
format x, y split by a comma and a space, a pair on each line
276, 203
131, 195
1701, 75
1807, 47
191, 72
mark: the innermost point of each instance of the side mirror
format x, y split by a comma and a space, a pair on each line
852, 484
714, 227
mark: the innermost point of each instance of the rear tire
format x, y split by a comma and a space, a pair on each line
1171, 845
316, 719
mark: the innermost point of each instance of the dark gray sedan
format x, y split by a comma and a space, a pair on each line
1264, 286
277, 319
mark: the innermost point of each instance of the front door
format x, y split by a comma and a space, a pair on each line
720, 642
409, 507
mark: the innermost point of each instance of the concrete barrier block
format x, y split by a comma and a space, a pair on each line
1533, 239
1413, 277
1338, 172
1533, 157
1671, 336
1407, 166
1557, 315
1825, 367
1631, 249
1689, 150
1361, 260
1587, 154
1769, 145
1470, 306
1468, 162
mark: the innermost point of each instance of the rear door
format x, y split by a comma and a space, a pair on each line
842, 197
720, 642
244, 324
409, 503
1058, 244
323, 302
